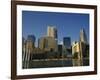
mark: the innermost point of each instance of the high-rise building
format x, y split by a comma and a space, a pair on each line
80, 49
23, 52
83, 37
67, 42
76, 51
48, 44
83, 44
52, 32
41, 43
28, 47
30, 43
67, 46
60, 50
75, 47
23, 44
31, 38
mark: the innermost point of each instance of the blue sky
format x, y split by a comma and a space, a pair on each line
67, 24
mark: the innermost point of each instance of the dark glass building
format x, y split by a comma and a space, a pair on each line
31, 38
67, 42
60, 50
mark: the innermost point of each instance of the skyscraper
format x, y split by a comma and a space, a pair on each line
31, 38
28, 47
83, 37
52, 32
83, 43
76, 49
30, 43
67, 42
48, 44
60, 50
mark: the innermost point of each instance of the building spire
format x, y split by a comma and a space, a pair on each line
83, 37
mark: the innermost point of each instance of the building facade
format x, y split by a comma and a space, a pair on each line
48, 44
60, 50
76, 49
67, 45
52, 32
28, 46
83, 37
81, 48
67, 42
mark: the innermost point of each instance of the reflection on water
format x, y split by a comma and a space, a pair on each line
45, 63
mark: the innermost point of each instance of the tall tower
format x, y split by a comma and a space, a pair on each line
83, 37
27, 50
48, 44
67, 42
31, 38
52, 32
83, 44
30, 43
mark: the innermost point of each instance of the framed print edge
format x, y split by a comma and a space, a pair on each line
14, 39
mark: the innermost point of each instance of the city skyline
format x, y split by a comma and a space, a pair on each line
49, 50
36, 23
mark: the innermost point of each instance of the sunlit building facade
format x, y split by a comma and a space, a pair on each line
83, 37
76, 49
81, 47
52, 32
48, 44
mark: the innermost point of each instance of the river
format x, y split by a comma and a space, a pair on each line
47, 63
